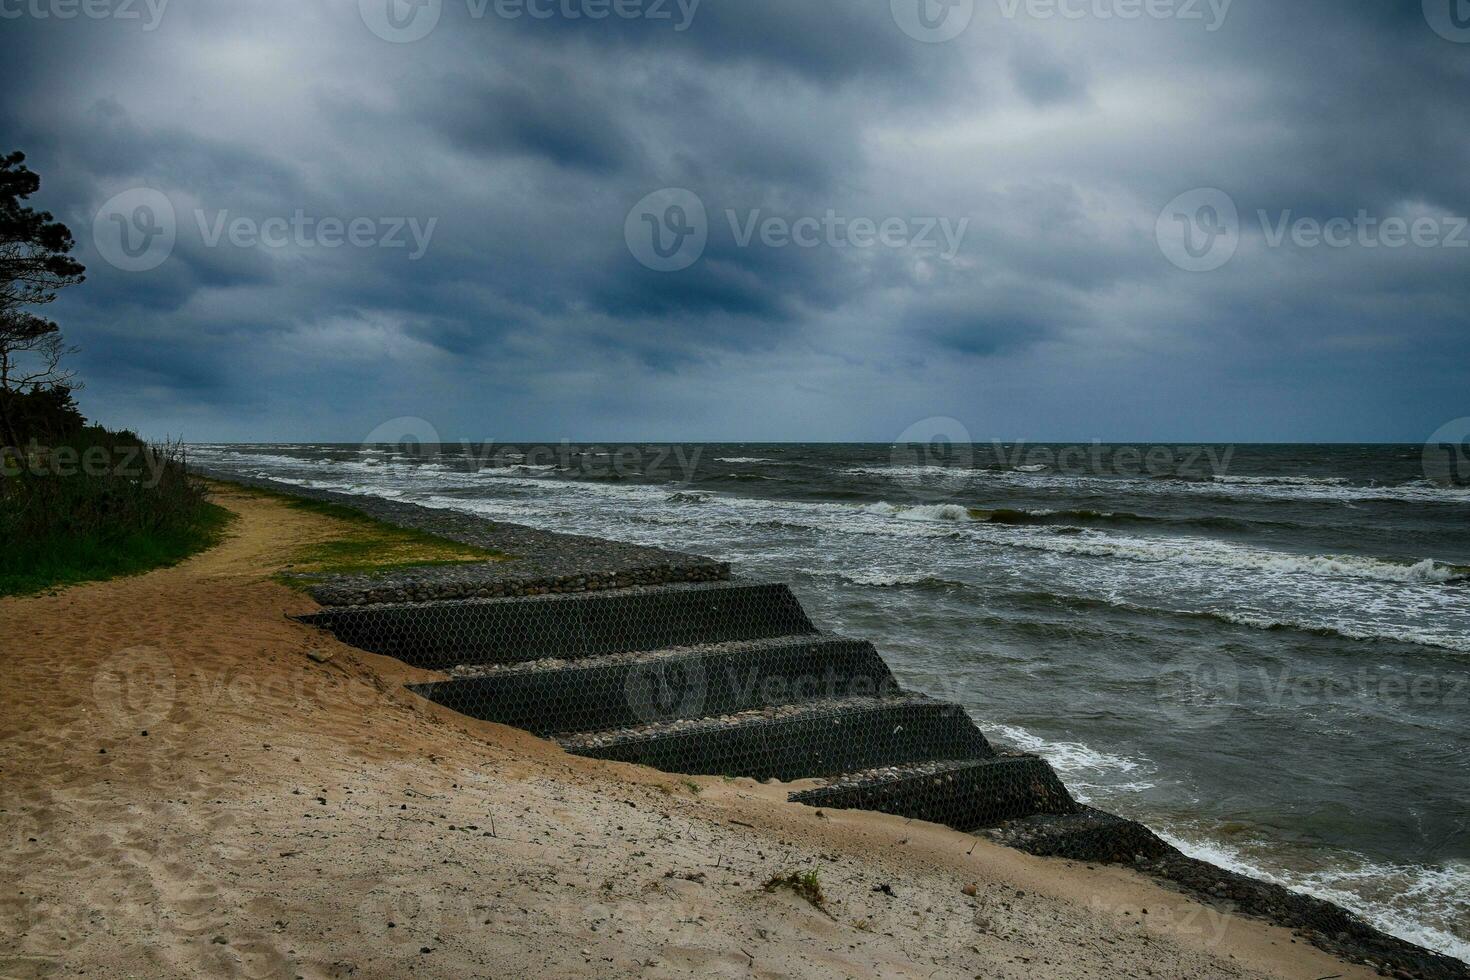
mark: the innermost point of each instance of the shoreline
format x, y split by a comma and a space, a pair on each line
395, 737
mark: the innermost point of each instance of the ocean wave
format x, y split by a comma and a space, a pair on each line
1426, 571
1230, 486
1076, 762
1348, 631
919, 512
742, 459
1438, 890
1450, 639
1087, 517
1284, 481
880, 579
950, 473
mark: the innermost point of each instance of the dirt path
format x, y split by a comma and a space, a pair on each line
195, 785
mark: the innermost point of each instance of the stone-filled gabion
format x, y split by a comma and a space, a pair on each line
488, 631
720, 678
651, 657
965, 794
793, 741
622, 690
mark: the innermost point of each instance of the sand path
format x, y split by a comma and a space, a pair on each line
188, 792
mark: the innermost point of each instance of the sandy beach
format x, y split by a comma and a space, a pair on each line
197, 785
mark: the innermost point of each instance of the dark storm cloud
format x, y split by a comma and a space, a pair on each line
825, 41
549, 116
525, 142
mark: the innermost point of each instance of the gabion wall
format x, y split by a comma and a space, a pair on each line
721, 678
703, 675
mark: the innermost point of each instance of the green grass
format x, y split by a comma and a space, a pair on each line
367, 546
135, 508
70, 559
805, 884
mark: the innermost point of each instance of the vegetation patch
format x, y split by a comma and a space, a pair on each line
804, 884
128, 509
363, 545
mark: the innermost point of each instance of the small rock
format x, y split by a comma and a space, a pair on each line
970, 890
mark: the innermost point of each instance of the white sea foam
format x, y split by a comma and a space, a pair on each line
742, 459
1039, 477
1438, 892
1284, 481
878, 578
1189, 551
1069, 758
1449, 640
919, 512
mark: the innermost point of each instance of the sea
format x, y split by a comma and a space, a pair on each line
1260, 651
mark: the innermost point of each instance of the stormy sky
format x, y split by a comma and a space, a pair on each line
785, 220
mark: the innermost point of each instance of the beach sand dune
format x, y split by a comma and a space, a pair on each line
195, 785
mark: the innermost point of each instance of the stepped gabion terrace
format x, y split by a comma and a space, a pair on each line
652, 657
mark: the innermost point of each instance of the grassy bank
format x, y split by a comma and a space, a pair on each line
97, 505
363, 545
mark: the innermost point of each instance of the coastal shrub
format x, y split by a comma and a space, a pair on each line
47, 415
94, 505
